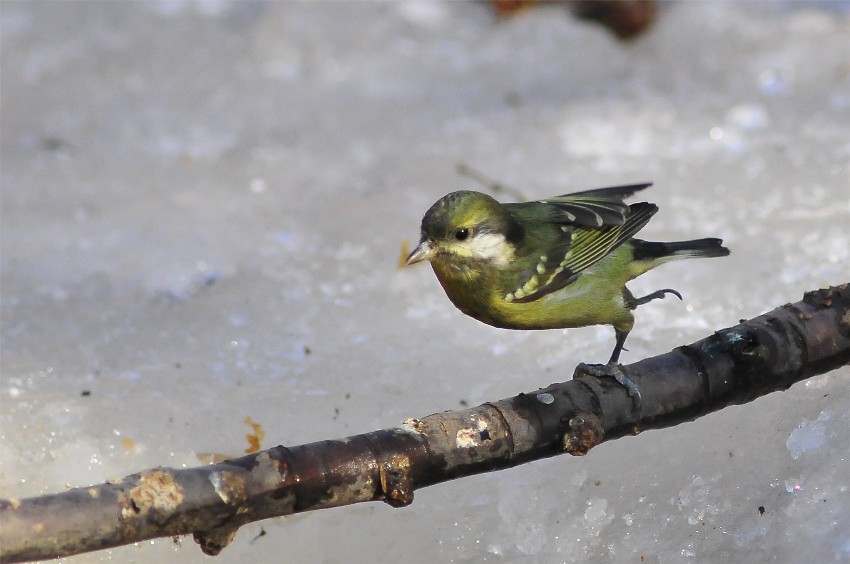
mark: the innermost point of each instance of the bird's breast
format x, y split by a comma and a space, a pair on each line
589, 300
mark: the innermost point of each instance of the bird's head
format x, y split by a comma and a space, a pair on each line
467, 230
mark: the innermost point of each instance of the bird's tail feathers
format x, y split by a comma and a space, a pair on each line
662, 252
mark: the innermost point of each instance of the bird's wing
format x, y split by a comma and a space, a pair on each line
592, 208
578, 246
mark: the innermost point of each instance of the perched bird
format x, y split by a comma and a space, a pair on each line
555, 263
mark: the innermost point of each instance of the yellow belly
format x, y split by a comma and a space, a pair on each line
594, 298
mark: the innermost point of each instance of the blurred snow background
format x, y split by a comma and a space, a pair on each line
203, 206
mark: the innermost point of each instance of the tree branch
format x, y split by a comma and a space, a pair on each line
733, 366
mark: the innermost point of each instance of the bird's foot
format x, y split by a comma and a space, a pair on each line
612, 369
657, 295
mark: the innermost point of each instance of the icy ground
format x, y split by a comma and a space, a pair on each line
203, 207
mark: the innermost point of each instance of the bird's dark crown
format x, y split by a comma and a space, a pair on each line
470, 210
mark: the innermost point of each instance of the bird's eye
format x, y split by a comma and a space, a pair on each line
462, 234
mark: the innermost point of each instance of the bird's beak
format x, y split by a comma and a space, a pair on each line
425, 251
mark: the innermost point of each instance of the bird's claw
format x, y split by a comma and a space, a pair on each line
657, 295
612, 369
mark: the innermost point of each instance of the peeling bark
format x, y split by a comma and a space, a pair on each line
733, 366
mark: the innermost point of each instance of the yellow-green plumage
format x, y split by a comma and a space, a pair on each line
557, 263
594, 297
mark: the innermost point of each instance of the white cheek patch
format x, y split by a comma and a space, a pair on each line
491, 247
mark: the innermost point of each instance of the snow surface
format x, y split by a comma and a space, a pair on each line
203, 206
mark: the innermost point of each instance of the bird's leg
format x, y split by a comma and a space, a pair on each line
612, 369
618, 347
632, 302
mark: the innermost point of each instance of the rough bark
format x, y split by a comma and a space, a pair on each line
733, 366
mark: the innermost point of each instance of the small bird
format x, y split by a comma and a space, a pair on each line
556, 263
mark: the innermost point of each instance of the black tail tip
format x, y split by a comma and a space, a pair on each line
698, 248
714, 248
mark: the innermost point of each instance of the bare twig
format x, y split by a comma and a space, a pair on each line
491, 185
733, 366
